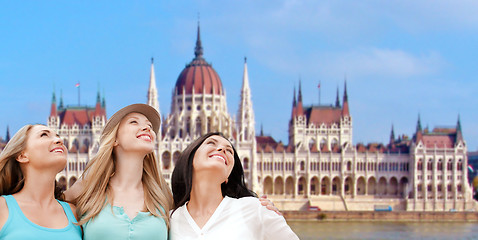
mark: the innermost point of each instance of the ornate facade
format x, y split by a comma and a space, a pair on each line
319, 166
80, 127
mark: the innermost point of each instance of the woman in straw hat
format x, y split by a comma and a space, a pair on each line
122, 193
211, 200
28, 208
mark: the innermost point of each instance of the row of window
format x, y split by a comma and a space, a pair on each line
73, 166
440, 177
439, 188
439, 166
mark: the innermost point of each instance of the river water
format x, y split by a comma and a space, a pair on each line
308, 230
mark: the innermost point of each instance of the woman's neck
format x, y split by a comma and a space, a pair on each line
128, 171
205, 197
38, 188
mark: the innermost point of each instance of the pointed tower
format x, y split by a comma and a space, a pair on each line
54, 119
152, 91
7, 137
245, 115
392, 136
198, 103
246, 136
418, 132
345, 107
459, 135
337, 101
300, 106
98, 104
60, 106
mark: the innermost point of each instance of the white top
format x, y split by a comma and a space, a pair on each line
243, 218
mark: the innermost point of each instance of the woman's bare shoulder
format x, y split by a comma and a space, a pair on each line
74, 191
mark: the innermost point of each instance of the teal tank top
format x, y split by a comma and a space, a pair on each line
114, 223
19, 227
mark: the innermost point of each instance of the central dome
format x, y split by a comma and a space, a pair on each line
198, 76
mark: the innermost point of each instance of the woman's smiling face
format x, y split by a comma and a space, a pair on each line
214, 155
135, 133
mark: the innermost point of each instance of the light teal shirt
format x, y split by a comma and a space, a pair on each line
18, 226
114, 223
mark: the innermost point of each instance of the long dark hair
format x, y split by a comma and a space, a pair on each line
181, 180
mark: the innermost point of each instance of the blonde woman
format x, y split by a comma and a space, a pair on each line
28, 208
122, 193
211, 200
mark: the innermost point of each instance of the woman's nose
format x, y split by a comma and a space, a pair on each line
58, 140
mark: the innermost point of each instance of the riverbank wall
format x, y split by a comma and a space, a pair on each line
381, 216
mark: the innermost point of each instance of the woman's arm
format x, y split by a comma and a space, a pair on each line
74, 191
275, 227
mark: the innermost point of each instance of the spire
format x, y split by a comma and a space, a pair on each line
7, 137
98, 97
294, 102
152, 91
418, 134
300, 108
61, 99
392, 136
98, 102
345, 107
245, 113
337, 101
53, 109
262, 129
300, 91
459, 135
419, 124
198, 49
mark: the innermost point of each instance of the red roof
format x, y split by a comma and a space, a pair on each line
80, 115
200, 76
440, 141
327, 115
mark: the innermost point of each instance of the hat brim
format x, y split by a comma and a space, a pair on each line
148, 111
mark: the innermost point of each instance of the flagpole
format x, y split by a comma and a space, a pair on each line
319, 93
79, 85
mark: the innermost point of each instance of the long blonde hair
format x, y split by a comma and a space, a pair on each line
11, 175
96, 178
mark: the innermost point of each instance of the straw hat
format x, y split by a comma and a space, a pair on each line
146, 110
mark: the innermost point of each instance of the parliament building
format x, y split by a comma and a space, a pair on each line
320, 166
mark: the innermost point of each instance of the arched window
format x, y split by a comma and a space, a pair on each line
246, 163
449, 165
440, 165
198, 126
430, 165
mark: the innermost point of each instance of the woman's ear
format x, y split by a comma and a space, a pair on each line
22, 158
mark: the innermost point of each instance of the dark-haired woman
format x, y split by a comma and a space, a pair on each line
211, 200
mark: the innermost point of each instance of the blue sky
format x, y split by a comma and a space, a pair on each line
400, 58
